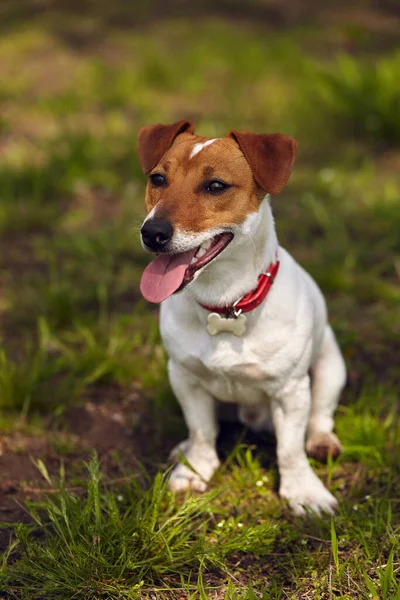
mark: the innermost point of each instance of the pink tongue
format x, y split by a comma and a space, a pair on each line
164, 275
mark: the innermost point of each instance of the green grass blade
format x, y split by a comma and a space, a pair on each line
386, 575
334, 546
373, 591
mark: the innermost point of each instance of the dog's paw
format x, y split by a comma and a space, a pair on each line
182, 478
181, 448
308, 496
322, 445
203, 463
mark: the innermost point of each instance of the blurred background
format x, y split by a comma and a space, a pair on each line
81, 363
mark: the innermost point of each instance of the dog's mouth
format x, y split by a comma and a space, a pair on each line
205, 253
170, 273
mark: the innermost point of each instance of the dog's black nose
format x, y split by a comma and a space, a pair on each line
156, 233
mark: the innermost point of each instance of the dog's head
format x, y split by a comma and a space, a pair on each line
200, 191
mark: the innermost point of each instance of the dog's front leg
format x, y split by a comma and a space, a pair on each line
199, 449
299, 485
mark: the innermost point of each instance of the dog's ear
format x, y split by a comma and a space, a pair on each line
270, 156
155, 140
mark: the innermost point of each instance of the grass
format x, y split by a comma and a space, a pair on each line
118, 540
123, 541
81, 363
363, 97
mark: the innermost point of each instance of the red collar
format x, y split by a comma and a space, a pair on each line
251, 300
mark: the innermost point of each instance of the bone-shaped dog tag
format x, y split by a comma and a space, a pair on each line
216, 324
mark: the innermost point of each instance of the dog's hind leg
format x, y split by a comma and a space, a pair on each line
328, 375
199, 450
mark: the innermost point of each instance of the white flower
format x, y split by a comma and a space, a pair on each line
259, 483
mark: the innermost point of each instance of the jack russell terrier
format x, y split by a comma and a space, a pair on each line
242, 322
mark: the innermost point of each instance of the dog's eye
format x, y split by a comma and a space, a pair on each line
216, 187
157, 180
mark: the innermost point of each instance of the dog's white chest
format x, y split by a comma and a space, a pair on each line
229, 381
217, 324
225, 364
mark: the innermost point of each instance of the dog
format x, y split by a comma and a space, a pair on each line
241, 321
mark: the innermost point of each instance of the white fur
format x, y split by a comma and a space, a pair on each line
266, 371
152, 213
200, 146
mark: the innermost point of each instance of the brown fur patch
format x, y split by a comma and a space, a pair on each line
154, 141
184, 201
270, 156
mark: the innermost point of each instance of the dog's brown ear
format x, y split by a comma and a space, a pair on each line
155, 140
270, 156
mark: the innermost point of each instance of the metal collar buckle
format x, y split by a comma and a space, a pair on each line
268, 274
231, 312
